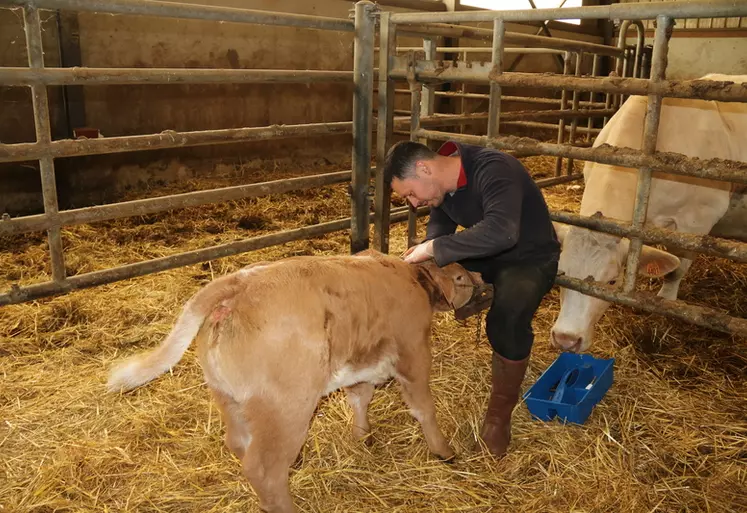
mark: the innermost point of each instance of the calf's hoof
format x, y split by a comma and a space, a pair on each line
446, 455
367, 439
448, 460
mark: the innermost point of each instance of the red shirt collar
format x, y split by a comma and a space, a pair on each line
446, 150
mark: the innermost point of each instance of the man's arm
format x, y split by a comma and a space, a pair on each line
499, 228
439, 224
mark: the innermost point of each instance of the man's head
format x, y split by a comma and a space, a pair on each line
417, 173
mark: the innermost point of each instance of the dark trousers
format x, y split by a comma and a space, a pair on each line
518, 292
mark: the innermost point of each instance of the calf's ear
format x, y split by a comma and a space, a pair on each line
437, 284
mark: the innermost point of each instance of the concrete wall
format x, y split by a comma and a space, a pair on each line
693, 57
705, 45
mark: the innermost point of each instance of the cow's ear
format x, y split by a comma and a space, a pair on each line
561, 230
655, 263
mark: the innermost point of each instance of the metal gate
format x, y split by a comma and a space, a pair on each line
420, 72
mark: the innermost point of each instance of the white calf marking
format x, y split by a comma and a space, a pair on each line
346, 376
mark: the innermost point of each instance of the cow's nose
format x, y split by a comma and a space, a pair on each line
566, 341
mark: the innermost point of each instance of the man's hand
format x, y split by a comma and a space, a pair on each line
419, 253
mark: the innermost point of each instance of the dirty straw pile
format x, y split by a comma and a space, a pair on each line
671, 435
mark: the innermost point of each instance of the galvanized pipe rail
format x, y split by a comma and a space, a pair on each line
45, 150
481, 49
147, 206
11, 76
664, 26
701, 316
51, 288
511, 99
706, 244
637, 11
190, 11
647, 160
434, 72
167, 139
665, 162
431, 30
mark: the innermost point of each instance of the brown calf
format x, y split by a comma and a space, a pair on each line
274, 338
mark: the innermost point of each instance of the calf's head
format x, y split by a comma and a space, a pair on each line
587, 253
449, 287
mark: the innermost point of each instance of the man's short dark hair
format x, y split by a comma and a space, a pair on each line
401, 158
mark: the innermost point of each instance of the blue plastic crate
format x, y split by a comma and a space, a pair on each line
570, 388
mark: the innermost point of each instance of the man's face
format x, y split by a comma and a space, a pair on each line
421, 189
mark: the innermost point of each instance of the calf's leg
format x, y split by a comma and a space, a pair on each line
237, 430
359, 397
413, 372
278, 432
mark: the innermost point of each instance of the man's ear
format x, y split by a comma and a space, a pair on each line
560, 230
655, 263
437, 284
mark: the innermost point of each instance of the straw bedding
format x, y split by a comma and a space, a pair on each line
671, 435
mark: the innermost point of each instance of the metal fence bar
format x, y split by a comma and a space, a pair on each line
510, 99
550, 126
650, 133
188, 11
510, 117
534, 115
665, 162
461, 31
385, 127
428, 103
415, 104
40, 100
706, 244
594, 71
167, 139
494, 104
702, 89
563, 106
515, 99
21, 294
363, 55
481, 49
175, 201
641, 11
574, 108
10, 76
698, 315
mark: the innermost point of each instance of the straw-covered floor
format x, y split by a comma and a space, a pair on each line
671, 434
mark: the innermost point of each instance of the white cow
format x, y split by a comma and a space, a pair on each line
696, 128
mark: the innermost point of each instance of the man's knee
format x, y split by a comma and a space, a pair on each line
509, 335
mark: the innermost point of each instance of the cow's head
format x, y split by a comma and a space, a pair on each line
587, 253
450, 287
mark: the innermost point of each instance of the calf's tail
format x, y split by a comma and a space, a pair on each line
144, 367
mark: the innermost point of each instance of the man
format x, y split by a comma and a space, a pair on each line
508, 238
